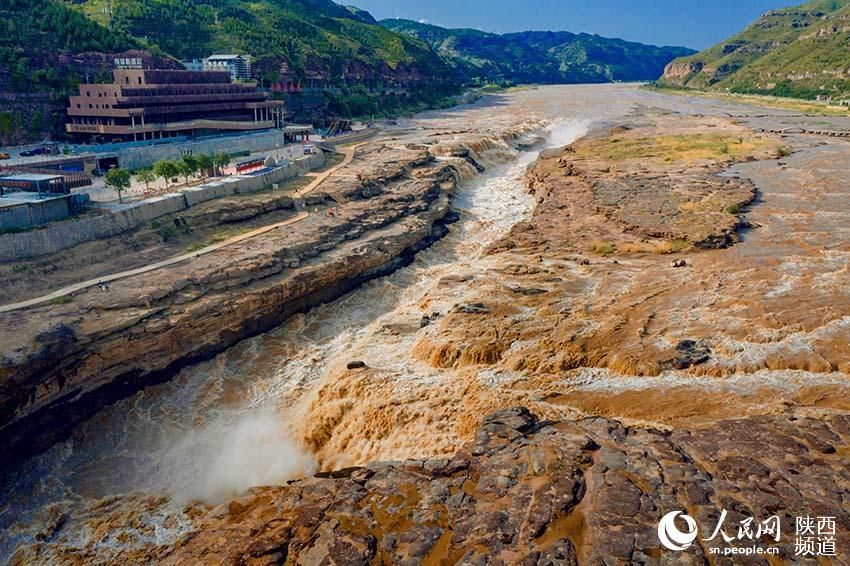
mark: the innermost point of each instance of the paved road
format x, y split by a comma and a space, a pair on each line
349, 156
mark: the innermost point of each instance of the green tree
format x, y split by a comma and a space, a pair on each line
146, 176
221, 161
184, 170
205, 165
167, 170
118, 180
188, 166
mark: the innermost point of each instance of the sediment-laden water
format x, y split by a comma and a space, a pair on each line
222, 426
252, 415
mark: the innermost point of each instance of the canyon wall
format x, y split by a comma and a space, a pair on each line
62, 362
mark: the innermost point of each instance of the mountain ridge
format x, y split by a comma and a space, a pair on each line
356, 64
800, 52
540, 56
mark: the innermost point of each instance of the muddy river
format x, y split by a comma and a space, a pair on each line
252, 415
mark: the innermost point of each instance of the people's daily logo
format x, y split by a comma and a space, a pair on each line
669, 534
815, 536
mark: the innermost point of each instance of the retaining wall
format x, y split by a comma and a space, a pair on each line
137, 158
66, 234
28, 214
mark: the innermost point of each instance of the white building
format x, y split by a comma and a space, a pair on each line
239, 66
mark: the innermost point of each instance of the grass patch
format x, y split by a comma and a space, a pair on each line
167, 233
767, 101
603, 248
219, 237
331, 160
16, 230
63, 300
20, 268
679, 245
733, 209
668, 148
783, 151
657, 247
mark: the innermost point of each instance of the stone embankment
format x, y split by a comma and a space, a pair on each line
69, 233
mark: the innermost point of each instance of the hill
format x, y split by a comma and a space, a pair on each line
313, 38
541, 57
46, 49
801, 51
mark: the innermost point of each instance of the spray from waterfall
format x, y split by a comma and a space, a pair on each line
227, 457
565, 132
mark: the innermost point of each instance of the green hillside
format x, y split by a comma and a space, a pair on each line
46, 49
314, 37
803, 51
37, 35
541, 57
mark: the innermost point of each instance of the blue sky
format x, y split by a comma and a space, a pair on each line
693, 23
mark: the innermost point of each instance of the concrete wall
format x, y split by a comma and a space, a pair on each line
28, 214
138, 158
64, 235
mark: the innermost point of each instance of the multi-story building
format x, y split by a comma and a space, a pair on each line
239, 66
152, 104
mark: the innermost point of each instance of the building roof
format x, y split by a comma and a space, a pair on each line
230, 56
31, 178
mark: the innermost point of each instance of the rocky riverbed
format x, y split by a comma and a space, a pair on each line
522, 491
664, 296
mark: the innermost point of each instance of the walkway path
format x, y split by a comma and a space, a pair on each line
349, 153
150, 267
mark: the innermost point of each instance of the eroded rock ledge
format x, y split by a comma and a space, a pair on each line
587, 491
62, 362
